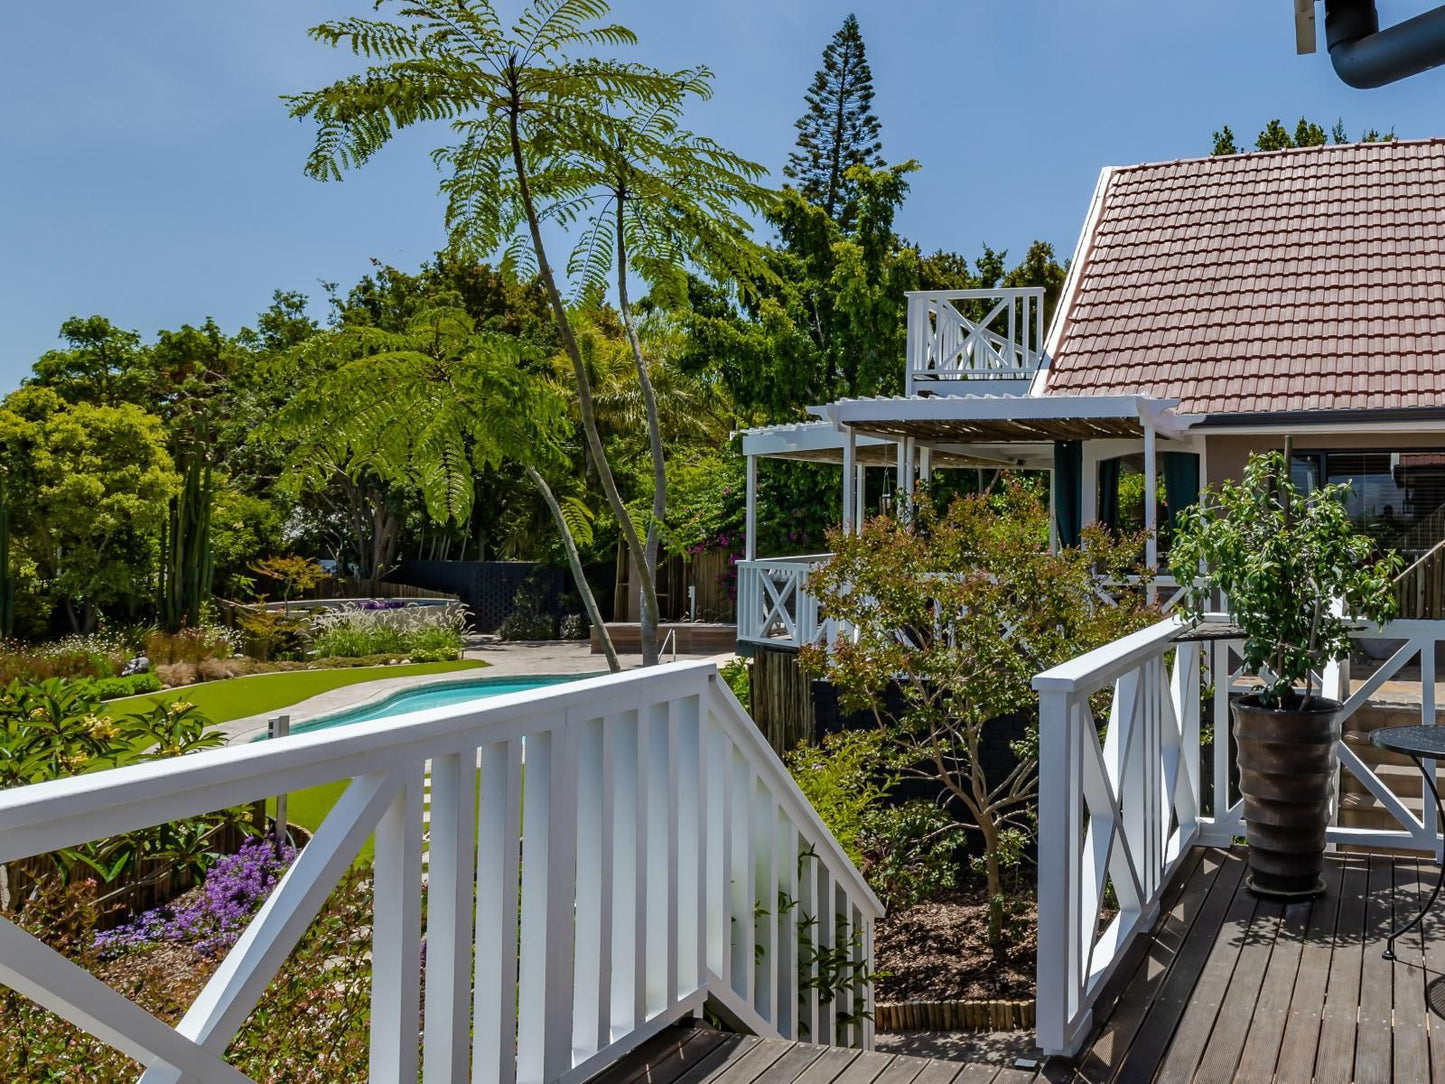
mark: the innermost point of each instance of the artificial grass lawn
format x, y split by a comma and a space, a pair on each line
236, 698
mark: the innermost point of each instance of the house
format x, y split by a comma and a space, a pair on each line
1213, 307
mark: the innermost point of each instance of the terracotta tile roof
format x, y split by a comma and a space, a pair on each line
1291, 280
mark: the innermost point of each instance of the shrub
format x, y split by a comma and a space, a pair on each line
738, 674
112, 688
574, 627
188, 645
174, 674
266, 635
310, 1027
95, 656
909, 851
524, 626
842, 779
529, 619
432, 632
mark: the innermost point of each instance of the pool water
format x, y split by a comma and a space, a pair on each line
437, 695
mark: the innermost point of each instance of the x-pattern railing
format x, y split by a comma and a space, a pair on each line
604, 858
774, 605
945, 344
1118, 810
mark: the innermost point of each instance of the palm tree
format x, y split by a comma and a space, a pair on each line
536, 130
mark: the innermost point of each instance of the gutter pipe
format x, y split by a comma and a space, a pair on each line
1365, 56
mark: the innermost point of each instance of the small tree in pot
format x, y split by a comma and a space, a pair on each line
1282, 560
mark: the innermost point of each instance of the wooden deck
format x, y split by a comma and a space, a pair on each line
700, 1055
1228, 988
1234, 988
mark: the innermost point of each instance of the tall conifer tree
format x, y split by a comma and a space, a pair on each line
839, 130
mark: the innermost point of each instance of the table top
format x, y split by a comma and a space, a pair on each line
1415, 741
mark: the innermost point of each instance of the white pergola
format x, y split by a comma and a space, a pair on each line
917, 434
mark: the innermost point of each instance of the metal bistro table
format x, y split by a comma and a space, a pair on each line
1419, 743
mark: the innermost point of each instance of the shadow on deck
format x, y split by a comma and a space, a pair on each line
1229, 987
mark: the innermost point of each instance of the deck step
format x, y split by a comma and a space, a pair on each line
693, 1054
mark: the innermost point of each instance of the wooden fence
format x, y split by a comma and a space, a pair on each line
155, 881
1420, 589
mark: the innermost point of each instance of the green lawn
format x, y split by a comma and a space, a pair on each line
236, 698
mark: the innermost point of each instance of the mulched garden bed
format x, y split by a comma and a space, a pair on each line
939, 952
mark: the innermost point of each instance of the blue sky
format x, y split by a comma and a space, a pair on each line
149, 173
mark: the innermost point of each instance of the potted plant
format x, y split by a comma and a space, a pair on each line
1282, 560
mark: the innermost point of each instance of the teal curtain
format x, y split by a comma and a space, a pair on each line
1181, 484
1068, 489
1109, 493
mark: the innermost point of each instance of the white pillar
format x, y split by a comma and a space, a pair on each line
925, 464
1151, 510
901, 471
910, 451
850, 459
750, 527
860, 510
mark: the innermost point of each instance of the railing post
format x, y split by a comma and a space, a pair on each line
450, 870
498, 859
396, 936
917, 340
1059, 977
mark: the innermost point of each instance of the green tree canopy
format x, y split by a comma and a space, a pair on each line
839, 130
89, 485
1274, 136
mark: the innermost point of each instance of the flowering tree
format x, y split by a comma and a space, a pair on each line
957, 609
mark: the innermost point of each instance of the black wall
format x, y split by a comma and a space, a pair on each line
487, 588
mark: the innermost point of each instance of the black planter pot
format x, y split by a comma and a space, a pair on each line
1287, 777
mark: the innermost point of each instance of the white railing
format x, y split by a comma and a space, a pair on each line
662, 858
1120, 812
1000, 345
774, 606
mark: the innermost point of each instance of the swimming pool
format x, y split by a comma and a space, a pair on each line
435, 695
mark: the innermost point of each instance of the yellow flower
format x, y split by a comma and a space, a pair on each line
180, 706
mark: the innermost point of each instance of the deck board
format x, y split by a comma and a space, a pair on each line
1259, 991
1295, 1063
1226, 988
1412, 1043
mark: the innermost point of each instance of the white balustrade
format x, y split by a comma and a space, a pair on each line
1001, 348
605, 857
774, 606
1119, 812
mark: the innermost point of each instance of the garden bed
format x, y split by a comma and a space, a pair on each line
939, 951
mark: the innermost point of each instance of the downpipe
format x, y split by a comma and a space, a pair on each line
1364, 56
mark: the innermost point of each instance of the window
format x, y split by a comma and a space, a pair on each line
1396, 497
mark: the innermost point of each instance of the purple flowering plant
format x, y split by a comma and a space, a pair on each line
213, 918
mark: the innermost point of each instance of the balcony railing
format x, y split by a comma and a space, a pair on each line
985, 341
774, 605
1119, 812
603, 858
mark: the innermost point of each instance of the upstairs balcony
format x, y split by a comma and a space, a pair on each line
974, 342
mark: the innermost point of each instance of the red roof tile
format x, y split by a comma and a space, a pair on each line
1291, 280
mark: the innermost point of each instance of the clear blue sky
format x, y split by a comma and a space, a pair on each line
149, 173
